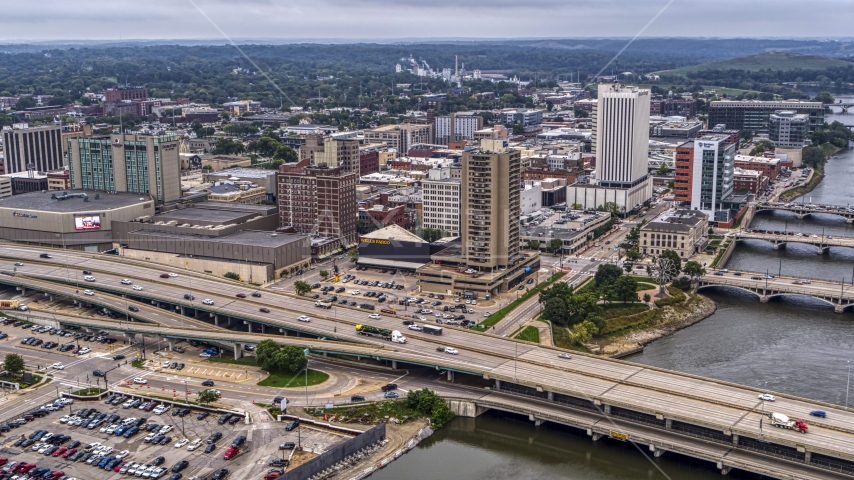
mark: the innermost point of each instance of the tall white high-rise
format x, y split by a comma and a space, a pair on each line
621, 139
622, 135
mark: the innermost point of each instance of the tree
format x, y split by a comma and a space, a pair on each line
662, 170
824, 97
555, 310
626, 288
746, 134
353, 254
533, 244
225, 146
577, 206
25, 102
324, 274
674, 257
633, 255
207, 396
557, 290
694, 269
265, 353
428, 403
646, 297
232, 275
430, 235
302, 287
554, 245
14, 363
291, 358
813, 156
607, 274
285, 154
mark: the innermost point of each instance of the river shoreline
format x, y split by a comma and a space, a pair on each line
671, 319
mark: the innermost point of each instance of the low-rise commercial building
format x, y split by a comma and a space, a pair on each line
394, 247
749, 181
237, 192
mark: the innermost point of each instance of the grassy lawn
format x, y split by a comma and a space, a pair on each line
767, 60
245, 361
374, 410
290, 380
499, 315
530, 334
89, 391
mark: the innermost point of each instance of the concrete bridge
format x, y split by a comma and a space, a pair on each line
843, 105
839, 296
805, 210
821, 242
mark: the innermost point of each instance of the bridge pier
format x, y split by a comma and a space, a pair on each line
807, 457
764, 298
839, 308
462, 408
801, 216
22, 290
656, 451
537, 421
734, 440
595, 436
238, 351
450, 376
551, 396
216, 319
181, 309
668, 424
498, 384
849, 219
394, 364
607, 409
171, 344
724, 468
823, 250
779, 246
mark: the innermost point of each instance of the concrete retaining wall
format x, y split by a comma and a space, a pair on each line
336, 454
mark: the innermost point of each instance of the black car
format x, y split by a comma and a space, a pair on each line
118, 357
158, 461
357, 398
316, 285
188, 296
292, 425
214, 437
133, 308
210, 448
238, 441
180, 466
19, 442
389, 387
287, 446
208, 383
44, 255
278, 462
224, 418
202, 416
220, 474
175, 476
87, 272
234, 419
98, 373
256, 294
164, 441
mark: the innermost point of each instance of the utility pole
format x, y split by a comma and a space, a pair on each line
848, 385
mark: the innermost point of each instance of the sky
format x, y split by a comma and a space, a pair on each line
409, 19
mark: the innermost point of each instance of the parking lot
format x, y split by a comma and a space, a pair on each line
260, 445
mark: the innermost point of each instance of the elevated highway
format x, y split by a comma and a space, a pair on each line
689, 405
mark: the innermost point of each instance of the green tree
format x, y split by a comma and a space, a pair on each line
577, 206
662, 170
324, 274
557, 290
582, 305
430, 235
646, 297
824, 97
554, 245
292, 359
25, 102
533, 244
428, 403
746, 134
302, 287
14, 363
224, 146
353, 254
607, 274
633, 255
555, 310
813, 156
207, 396
694, 269
626, 288
285, 154
674, 257
232, 275
265, 353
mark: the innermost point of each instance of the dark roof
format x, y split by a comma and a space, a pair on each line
43, 201
255, 238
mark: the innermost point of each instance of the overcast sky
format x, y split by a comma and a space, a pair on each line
374, 19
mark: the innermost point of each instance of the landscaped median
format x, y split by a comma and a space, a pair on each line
499, 315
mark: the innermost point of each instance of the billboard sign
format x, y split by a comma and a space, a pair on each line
87, 221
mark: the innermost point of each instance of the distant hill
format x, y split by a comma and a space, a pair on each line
768, 60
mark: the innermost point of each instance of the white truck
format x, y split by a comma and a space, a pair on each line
323, 304
397, 337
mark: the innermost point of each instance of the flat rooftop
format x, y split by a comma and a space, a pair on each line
43, 201
243, 173
204, 215
255, 238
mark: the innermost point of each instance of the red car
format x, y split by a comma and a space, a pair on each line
69, 453
56, 475
241, 295
119, 466
265, 310
3, 460
230, 453
164, 275
25, 467
60, 451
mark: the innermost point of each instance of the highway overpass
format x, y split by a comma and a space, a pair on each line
687, 405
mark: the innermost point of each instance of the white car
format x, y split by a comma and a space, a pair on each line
58, 366
88, 292
452, 351
159, 410
355, 292
140, 381
767, 397
416, 328
196, 443
182, 443
123, 454
173, 275
564, 355
207, 301
374, 316
474, 302
84, 350
137, 288
165, 429
125, 281
423, 319
205, 355
166, 364
111, 428
64, 419
105, 450
89, 278
426, 311
468, 302
303, 318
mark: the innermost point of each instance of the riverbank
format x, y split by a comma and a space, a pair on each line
817, 176
643, 328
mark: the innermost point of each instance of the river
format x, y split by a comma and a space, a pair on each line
794, 345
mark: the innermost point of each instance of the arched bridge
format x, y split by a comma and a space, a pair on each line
840, 296
843, 105
804, 210
821, 242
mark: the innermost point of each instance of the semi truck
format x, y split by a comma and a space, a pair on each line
384, 333
782, 421
322, 304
